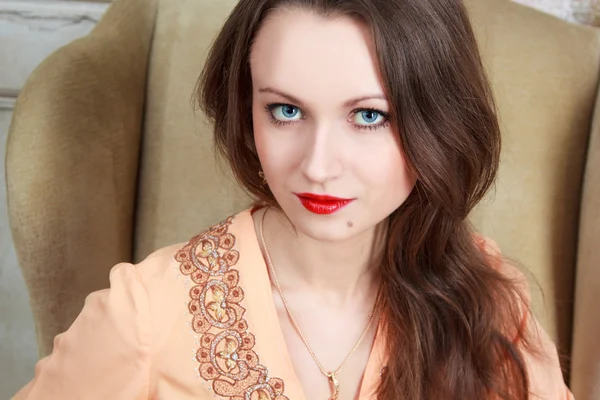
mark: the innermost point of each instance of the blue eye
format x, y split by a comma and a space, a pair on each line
368, 117
282, 114
286, 112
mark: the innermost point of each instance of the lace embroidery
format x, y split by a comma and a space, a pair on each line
226, 354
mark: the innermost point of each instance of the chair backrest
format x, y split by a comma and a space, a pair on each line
544, 73
182, 189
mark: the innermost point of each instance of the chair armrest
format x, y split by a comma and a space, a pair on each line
72, 161
585, 366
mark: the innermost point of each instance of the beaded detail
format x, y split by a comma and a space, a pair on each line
226, 354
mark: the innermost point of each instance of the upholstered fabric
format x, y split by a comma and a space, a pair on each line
182, 189
544, 73
72, 164
123, 94
585, 364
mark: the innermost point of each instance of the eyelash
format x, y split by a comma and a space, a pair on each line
269, 109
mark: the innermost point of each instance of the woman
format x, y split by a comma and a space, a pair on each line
366, 131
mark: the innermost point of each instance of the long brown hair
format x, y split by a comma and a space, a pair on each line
450, 315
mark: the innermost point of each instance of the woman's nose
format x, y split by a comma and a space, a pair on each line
320, 161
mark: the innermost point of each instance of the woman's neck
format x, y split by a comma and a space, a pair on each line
339, 271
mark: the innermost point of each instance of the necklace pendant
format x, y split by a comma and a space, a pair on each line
335, 386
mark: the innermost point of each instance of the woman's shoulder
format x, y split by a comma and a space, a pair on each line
171, 274
209, 243
492, 252
138, 329
540, 353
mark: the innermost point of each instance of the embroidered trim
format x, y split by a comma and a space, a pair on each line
226, 354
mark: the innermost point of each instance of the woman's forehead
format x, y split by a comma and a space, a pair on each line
307, 55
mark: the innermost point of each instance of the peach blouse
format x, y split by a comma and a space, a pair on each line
197, 321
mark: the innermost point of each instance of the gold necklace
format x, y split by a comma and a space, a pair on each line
331, 376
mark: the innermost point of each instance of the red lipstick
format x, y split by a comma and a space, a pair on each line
322, 204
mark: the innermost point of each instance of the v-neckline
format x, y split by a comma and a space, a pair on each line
262, 291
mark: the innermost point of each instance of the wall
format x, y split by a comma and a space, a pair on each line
579, 11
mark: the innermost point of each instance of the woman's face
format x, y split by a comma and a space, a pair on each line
321, 127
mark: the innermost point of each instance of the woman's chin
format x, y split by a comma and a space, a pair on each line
336, 227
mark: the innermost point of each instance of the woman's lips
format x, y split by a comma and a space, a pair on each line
322, 204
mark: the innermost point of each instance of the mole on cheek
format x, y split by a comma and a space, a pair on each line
350, 224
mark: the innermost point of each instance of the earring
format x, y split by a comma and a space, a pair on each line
264, 178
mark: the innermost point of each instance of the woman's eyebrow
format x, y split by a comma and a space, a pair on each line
296, 101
